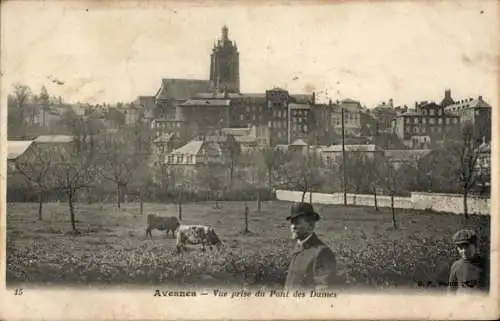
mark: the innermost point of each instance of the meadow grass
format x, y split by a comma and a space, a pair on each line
113, 249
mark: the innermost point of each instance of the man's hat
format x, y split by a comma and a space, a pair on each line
303, 209
465, 236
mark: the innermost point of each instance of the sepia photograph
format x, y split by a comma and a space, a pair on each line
167, 159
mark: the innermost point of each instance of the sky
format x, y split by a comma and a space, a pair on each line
366, 50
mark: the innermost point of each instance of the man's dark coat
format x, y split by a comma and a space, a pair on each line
313, 265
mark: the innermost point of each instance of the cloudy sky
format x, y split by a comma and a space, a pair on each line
371, 51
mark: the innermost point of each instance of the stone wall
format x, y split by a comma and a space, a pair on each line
449, 203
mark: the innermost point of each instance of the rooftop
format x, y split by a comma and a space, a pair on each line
191, 148
16, 148
236, 131
164, 138
349, 148
299, 142
54, 139
406, 154
182, 89
206, 102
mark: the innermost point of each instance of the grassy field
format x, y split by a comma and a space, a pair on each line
113, 249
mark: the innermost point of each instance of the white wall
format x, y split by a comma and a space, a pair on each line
449, 203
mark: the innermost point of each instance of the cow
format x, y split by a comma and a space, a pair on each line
162, 223
196, 235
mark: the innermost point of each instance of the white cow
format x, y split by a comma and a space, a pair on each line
197, 235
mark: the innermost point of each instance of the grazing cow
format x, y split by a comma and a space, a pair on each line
197, 234
162, 224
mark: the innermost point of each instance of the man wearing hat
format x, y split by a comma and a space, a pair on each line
313, 263
470, 271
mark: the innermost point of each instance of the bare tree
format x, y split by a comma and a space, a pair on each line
118, 161
211, 178
273, 161
75, 167
36, 169
468, 160
20, 96
391, 180
303, 171
375, 175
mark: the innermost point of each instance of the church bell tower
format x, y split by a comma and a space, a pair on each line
225, 64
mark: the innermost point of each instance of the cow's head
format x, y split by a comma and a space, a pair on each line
212, 238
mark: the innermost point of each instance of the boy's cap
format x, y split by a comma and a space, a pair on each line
465, 236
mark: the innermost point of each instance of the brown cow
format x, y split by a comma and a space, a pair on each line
168, 224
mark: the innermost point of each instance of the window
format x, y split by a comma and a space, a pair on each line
432, 121
424, 120
440, 112
447, 121
431, 112
440, 121
415, 120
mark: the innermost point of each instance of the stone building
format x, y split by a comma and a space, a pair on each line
225, 64
425, 125
193, 107
475, 112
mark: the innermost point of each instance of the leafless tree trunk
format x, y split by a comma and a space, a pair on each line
141, 205
72, 209
375, 199
118, 199
393, 212
180, 204
246, 219
40, 205
466, 212
258, 202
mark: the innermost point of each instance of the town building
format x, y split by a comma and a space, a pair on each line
225, 64
400, 157
474, 112
425, 125
194, 107
332, 155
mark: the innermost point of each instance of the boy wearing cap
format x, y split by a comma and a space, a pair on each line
313, 263
470, 271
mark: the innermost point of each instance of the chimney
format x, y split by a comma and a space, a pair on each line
447, 93
313, 98
480, 98
329, 102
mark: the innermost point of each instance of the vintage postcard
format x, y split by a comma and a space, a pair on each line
251, 160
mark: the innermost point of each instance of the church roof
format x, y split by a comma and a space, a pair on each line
182, 89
